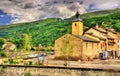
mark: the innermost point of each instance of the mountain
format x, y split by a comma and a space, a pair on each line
46, 31
43, 32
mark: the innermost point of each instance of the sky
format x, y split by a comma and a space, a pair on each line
19, 11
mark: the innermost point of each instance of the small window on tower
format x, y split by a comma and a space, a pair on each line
75, 25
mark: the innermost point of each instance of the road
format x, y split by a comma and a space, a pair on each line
110, 64
115, 67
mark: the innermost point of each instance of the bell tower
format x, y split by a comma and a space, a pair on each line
77, 25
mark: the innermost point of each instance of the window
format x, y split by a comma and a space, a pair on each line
92, 45
101, 45
86, 44
75, 24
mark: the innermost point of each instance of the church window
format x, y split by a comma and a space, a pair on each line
75, 25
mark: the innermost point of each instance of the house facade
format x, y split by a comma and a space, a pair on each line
118, 44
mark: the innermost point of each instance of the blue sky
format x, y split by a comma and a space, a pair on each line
19, 11
4, 18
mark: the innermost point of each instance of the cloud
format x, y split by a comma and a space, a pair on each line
2, 15
32, 10
102, 4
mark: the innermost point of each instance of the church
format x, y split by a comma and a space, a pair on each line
86, 45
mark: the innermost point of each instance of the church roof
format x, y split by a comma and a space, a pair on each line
85, 38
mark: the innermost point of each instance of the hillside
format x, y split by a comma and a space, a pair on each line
43, 32
46, 31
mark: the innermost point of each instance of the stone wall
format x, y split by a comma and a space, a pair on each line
54, 71
68, 45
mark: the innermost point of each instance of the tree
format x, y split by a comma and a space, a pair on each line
27, 44
19, 42
1, 42
67, 49
22, 42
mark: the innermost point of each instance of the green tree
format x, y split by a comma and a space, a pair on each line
1, 42
22, 42
27, 44
19, 42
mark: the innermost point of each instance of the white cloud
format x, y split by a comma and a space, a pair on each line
2, 15
31, 10
103, 4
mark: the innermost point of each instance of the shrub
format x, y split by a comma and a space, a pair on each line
27, 74
5, 61
39, 63
25, 63
3, 54
30, 62
11, 61
4, 66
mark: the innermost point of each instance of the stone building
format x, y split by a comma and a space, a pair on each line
118, 44
86, 45
76, 45
108, 39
